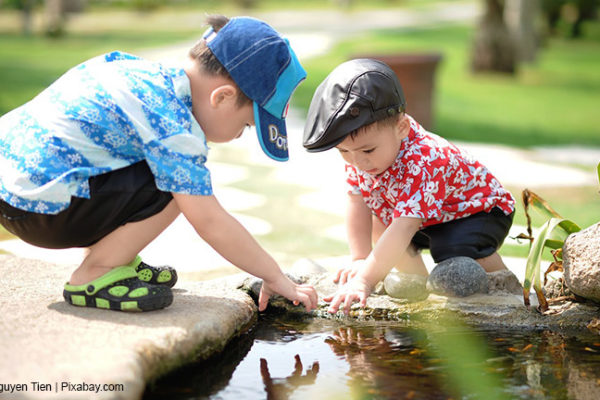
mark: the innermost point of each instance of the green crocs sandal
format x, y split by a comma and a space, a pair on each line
163, 275
119, 289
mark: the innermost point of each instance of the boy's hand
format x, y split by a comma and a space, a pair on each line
355, 290
344, 274
283, 286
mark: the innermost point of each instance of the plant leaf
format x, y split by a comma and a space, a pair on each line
552, 234
540, 205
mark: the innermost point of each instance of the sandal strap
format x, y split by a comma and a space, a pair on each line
111, 277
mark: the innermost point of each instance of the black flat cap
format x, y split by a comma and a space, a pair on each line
356, 93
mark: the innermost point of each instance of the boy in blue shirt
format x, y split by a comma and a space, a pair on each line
110, 154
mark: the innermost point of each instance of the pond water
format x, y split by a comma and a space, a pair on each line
283, 358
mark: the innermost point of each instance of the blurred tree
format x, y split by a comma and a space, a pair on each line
573, 12
584, 10
26, 7
26, 16
522, 17
493, 48
246, 4
54, 17
551, 10
56, 14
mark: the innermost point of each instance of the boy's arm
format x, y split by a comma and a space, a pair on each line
230, 239
388, 250
358, 228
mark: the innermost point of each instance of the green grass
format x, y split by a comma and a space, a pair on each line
29, 64
551, 102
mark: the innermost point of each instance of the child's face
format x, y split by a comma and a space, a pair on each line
227, 122
374, 148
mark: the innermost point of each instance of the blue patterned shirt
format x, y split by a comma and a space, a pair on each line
104, 114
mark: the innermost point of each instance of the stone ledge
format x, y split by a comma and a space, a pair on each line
501, 310
48, 341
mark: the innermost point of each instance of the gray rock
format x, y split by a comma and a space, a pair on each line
252, 286
504, 281
458, 277
410, 287
46, 340
581, 263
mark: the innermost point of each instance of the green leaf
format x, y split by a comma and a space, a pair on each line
531, 199
552, 234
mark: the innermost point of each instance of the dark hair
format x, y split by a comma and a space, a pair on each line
388, 121
209, 63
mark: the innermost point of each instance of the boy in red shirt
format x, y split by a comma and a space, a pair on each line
408, 188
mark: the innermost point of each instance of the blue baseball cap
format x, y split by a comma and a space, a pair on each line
266, 69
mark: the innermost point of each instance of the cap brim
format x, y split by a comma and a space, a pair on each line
272, 134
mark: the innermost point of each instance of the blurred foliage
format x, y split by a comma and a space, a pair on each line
148, 5
566, 17
19, 4
552, 102
28, 64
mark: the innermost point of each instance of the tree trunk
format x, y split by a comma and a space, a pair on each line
55, 17
521, 18
27, 17
493, 50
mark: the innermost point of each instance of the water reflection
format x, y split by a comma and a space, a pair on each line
282, 388
385, 362
323, 359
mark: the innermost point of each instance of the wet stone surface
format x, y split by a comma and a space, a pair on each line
458, 277
501, 307
411, 287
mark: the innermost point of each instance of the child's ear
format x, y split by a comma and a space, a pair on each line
402, 126
222, 95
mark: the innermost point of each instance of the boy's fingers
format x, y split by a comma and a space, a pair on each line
347, 303
263, 300
337, 275
345, 276
307, 296
328, 298
363, 300
335, 304
304, 299
314, 296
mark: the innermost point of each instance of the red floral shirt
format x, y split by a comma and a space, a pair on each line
431, 179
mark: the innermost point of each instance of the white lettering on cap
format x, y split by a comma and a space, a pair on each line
275, 137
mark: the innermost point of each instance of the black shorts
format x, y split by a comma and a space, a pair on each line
126, 195
476, 236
